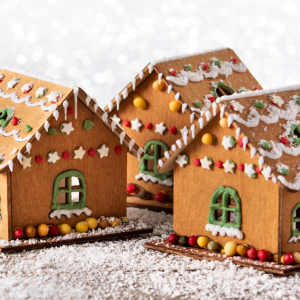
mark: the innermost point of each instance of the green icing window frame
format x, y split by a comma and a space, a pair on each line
226, 193
6, 114
70, 205
153, 145
216, 85
295, 231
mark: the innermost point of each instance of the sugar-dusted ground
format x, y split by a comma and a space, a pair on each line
124, 269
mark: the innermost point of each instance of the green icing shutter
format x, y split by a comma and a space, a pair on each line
295, 231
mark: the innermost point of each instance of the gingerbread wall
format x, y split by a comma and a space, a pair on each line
32, 188
194, 186
5, 195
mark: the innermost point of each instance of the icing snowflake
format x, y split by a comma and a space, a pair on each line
267, 172
79, 153
54, 97
184, 130
26, 162
229, 166
53, 157
26, 88
161, 128
237, 106
250, 170
136, 124
277, 100
11, 84
103, 151
116, 119
228, 142
41, 92
206, 163
182, 160
66, 128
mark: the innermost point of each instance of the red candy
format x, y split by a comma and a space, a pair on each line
173, 130
15, 121
160, 197
53, 230
18, 233
284, 140
173, 238
131, 188
263, 255
211, 99
288, 258
256, 89
148, 125
118, 149
234, 60
174, 73
252, 253
219, 164
1, 79
241, 144
204, 66
92, 152
126, 123
258, 170
39, 159
70, 111
193, 241
66, 155
197, 162
241, 167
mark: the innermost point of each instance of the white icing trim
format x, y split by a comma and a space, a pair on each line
232, 232
68, 213
237, 133
131, 144
146, 178
170, 87
38, 135
122, 136
65, 105
15, 132
183, 107
139, 153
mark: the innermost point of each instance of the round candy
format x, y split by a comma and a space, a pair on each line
204, 66
158, 86
193, 241
18, 233
43, 230
241, 167
39, 159
183, 241
258, 170
284, 140
82, 227
202, 241
103, 223
173, 130
173, 238
207, 138
114, 223
296, 257
142, 194
118, 149
263, 255
131, 188
219, 164
160, 197
224, 122
234, 59
139, 102
92, 223
175, 105
53, 230
252, 253
288, 258
241, 144
197, 162
70, 111
173, 73
212, 246
14, 121
92, 152
66, 155
211, 99
64, 229
30, 231
148, 125
126, 123
230, 248
242, 250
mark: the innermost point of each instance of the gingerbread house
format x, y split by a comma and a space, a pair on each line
62, 157
157, 108
236, 172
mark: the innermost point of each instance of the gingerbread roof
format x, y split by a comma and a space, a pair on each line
194, 79
28, 103
268, 121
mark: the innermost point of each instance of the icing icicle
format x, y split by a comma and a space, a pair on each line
201, 121
253, 151
193, 128
46, 125
65, 105
28, 147
118, 101
237, 133
169, 88
122, 136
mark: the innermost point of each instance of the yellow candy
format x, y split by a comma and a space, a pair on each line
282, 261
224, 122
64, 229
207, 139
202, 241
230, 248
82, 227
297, 257
30, 231
43, 230
103, 223
114, 223
92, 223
223, 251
175, 105
139, 102
158, 86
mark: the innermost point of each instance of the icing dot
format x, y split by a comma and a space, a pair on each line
197, 162
219, 164
173, 130
126, 123
66, 155
39, 159
92, 152
118, 149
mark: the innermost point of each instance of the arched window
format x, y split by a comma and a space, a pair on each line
225, 208
221, 88
69, 191
296, 220
154, 150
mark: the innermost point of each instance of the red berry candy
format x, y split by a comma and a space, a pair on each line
131, 188
211, 99
92, 152
118, 149
148, 125
39, 159
173, 238
219, 164
197, 162
288, 258
173, 130
18, 233
193, 241
234, 60
66, 155
15, 121
258, 170
241, 167
241, 144
1, 79
160, 197
252, 253
70, 111
256, 88
174, 72
263, 255
53, 230
126, 123
284, 140
204, 66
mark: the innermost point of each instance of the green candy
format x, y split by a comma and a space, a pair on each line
266, 145
28, 128
143, 195
6, 115
217, 63
298, 100
296, 141
186, 158
284, 171
259, 104
188, 67
197, 103
183, 241
52, 131
232, 140
87, 125
214, 139
212, 246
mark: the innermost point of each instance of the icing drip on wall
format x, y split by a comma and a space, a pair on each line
118, 101
122, 136
65, 105
237, 133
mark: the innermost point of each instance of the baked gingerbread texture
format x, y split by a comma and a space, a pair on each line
163, 101
236, 172
62, 157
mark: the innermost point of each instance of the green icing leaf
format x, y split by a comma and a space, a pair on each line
266, 145
52, 131
259, 104
188, 67
87, 125
1, 160
297, 141
232, 140
284, 171
214, 139
186, 158
6, 115
298, 100
217, 63
28, 128
211, 161
197, 103
232, 162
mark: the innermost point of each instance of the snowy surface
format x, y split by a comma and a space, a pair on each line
124, 269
